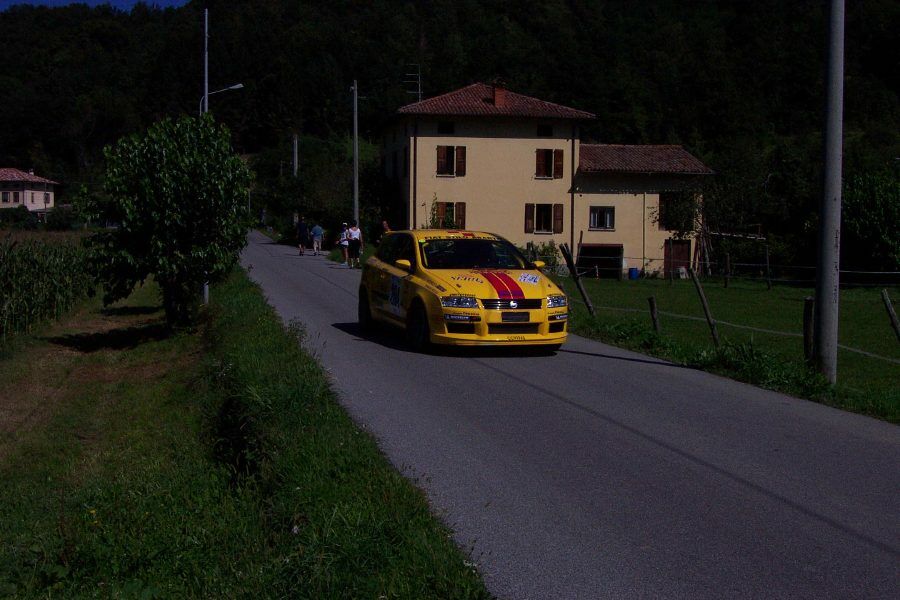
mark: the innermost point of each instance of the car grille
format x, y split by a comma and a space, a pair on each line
461, 328
505, 304
505, 328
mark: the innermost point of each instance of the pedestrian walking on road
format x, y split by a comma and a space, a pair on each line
344, 242
317, 234
302, 235
355, 244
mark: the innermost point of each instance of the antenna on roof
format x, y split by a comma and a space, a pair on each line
414, 78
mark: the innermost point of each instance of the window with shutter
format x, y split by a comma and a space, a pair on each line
529, 218
460, 215
451, 160
543, 218
557, 164
441, 212
460, 161
543, 163
557, 218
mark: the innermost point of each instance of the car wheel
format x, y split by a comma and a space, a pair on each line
417, 330
364, 312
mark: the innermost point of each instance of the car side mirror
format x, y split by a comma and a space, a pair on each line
539, 264
403, 264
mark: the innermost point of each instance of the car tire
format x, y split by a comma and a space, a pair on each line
418, 333
364, 312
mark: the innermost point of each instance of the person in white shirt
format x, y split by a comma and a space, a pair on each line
355, 244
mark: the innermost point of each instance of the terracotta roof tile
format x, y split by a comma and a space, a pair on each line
618, 158
478, 100
8, 174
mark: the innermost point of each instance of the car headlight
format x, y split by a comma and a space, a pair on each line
459, 302
556, 301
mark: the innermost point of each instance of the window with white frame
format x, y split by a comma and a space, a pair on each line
602, 217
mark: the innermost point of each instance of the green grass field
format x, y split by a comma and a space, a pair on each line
215, 463
865, 384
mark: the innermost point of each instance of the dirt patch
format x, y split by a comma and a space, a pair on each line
61, 364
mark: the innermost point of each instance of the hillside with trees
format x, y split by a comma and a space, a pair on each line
738, 84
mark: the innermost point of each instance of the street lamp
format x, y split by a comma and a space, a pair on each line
236, 86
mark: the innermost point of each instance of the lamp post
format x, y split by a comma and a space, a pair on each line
205, 105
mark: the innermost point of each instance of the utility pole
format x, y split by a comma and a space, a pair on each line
205, 102
828, 267
295, 155
205, 60
355, 153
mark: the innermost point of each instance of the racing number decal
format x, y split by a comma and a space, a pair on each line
394, 296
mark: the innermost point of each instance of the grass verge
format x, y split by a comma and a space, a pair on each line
215, 463
865, 384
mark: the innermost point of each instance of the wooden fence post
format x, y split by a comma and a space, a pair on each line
891, 314
671, 261
705, 304
567, 255
654, 314
808, 308
727, 267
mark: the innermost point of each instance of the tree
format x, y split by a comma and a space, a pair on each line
178, 194
871, 214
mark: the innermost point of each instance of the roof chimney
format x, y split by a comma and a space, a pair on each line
499, 92
31, 171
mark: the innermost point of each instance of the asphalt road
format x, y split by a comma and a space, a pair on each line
600, 473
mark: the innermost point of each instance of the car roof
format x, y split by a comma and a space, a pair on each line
449, 234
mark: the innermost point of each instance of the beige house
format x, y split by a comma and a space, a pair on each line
18, 188
485, 158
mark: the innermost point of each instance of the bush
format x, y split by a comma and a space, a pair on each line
18, 218
61, 218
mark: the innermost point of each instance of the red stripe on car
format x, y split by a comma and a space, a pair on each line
499, 285
514, 288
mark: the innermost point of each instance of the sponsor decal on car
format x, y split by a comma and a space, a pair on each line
529, 278
469, 278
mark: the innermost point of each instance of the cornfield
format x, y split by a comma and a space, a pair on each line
38, 281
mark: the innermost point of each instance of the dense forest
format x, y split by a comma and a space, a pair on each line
740, 84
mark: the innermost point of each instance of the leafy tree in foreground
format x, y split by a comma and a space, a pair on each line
178, 194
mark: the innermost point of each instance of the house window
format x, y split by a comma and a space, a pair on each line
16, 197
451, 161
603, 217
543, 218
46, 198
545, 130
450, 214
548, 164
446, 127
5, 197
32, 197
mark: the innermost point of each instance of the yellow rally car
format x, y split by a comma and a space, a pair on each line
460, 288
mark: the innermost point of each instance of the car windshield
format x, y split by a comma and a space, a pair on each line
467, 253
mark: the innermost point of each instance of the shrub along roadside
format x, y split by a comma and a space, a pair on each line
344, 522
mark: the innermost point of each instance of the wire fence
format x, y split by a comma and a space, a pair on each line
631, 267
793, 334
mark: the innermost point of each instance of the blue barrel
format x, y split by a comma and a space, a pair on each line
634, 273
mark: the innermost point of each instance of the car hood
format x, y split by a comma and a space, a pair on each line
495, 283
